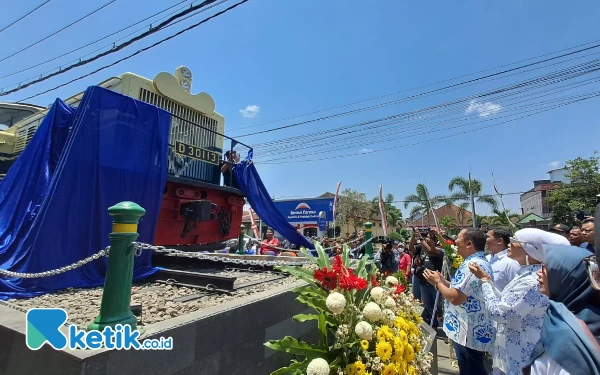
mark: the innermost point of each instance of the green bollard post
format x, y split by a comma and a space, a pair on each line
240, 250
368, 235
116, 296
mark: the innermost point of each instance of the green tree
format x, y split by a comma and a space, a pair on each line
423, 201
353, 207
581, 193
502, 218
392, 213
447, 222
406, 234
461, 189
395, 236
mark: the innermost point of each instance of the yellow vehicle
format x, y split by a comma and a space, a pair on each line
195, 153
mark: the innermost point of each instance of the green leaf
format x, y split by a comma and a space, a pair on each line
323, 328
290, 345
361, 270
293, 369
305, 317
323, 260
300, 272
309, 290
316, 303
346, 255
308, 255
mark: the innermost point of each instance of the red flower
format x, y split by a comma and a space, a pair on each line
374, 281
400, 289
327, 278
340, 276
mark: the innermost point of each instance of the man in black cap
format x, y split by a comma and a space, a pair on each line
561, 229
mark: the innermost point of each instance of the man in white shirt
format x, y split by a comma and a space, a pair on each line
504, 267
467, 322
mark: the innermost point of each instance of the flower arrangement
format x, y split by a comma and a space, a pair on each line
453, 258
367, 325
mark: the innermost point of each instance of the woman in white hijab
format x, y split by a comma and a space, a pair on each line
519, 309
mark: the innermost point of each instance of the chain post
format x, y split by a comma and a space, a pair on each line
240, 249
116, 296
368, 236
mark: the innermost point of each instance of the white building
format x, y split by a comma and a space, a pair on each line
559, 175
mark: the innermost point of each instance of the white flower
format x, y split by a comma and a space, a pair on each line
364, 330
390, 303
336, 302
372, 312
391, 281
377, 293
389, 316
318, 366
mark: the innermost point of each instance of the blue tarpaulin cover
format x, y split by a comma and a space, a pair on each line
80, 162
250, 183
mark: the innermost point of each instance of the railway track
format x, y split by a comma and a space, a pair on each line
213, 281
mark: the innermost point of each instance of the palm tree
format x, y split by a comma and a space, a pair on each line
423, 202
461, 189
502, 218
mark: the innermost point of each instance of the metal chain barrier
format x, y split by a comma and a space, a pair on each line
140, 247
296, 251
204, 256
98, 255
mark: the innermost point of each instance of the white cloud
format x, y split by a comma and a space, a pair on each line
250, 111
483, 109
554, 164
365, 150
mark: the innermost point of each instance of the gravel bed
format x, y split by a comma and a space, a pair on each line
157, 300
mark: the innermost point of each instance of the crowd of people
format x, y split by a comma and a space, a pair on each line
533, 302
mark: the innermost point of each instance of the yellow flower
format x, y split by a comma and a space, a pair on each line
398, 357
384, 333
411, 370
403, 336
409, 353
401, 323
364, 344
351, 369
401, 367
384, 350
418, 348
389, 370
359, 368
417, 318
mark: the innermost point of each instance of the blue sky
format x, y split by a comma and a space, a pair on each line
280, 59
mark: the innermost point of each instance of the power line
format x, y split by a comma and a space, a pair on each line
418, 128
418, 95
430, 140
288, 144
303, 142
25, 15
153, 30
414, 88
135, 53
96, 41
58, 31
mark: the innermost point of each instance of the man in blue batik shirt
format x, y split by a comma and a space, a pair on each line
466, 321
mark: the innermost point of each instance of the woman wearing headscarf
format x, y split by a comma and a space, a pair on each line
518, 310
570, 335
